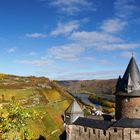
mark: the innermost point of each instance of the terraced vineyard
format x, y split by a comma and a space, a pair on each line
46, 101
50, 121
17, 93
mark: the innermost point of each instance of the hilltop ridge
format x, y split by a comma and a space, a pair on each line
90, 86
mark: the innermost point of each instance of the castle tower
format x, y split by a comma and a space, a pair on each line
73, 112
128, 93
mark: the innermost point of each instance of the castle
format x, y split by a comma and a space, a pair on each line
127, 114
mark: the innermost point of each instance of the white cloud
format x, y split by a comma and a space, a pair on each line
90, 58
68, 52
71, 6
37, 63
85, 41
128, 54
90, 75
70, 2
97, 61
113, 25
35, 35
125, 8
32, 53
104, 62
104, 39
65, 28
11, 50
101, 41
94, 37
119, 46
85, 20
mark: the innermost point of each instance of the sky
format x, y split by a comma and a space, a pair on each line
69, 39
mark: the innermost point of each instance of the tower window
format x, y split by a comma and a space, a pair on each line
79, 131
136, 131
115, 129
137, 109
89, 134
93, 131
104, 132
85, 129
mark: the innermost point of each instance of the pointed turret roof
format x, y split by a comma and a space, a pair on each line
74, 108
133, 72
131, 79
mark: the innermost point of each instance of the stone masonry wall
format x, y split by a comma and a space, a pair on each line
127, 107
85, 133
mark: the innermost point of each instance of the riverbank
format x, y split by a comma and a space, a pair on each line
106, 105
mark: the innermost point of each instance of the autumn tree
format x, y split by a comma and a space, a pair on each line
15, 122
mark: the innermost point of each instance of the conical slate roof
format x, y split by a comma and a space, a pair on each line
74, 108
131, 79
134, 73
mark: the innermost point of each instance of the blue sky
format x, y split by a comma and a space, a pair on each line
69, 39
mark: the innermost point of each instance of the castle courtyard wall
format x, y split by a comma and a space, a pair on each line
76, 132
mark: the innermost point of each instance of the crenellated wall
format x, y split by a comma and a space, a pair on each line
75, 132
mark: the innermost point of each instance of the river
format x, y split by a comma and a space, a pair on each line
84, 99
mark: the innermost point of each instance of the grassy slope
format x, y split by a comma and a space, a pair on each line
51, 121
52, 103
17, 93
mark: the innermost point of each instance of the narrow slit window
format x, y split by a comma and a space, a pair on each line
115, 130
85, 129
104, 132
93, 131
